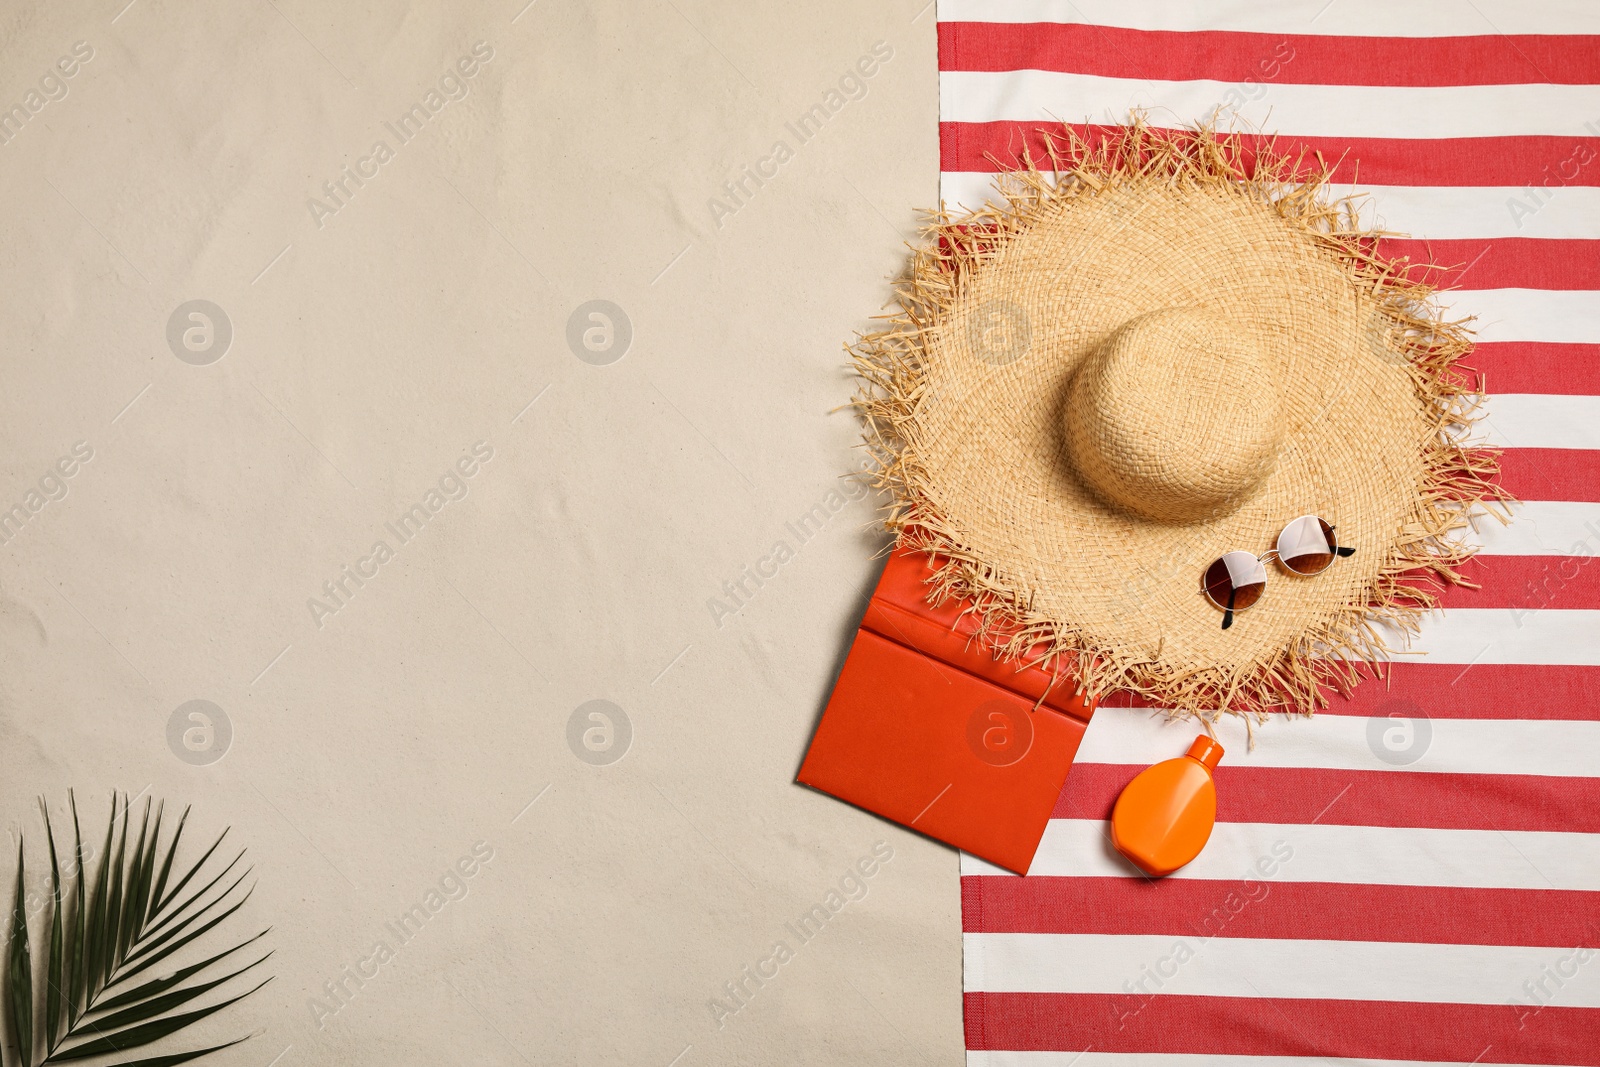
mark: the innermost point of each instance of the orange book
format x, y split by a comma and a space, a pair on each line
925, 727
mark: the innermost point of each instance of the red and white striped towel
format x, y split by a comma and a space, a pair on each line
1415, 876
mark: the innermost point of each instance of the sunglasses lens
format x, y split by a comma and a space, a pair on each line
1235, 581
1307, 545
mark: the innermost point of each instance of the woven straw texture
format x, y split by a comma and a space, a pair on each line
1095, 390
1142, 400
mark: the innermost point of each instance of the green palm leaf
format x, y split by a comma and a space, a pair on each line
21, 967
55, 983
78, 985
158, 985
111, 925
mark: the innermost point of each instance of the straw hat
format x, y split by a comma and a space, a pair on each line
1096, 390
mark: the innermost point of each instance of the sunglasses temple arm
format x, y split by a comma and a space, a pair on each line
1344, 551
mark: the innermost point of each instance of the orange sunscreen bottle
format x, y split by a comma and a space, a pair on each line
1164, 816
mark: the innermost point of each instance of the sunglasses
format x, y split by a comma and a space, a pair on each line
1236, 581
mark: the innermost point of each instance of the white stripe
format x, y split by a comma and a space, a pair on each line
1408, 111
1368, 18
1557, 747
1091, 1058
1201, 966
1509, 635
1535, 631
1466, 212
1541, 528
1362, 855
968, 189
1541, 420
1551, 315
1442, 213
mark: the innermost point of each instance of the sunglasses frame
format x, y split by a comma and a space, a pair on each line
1229, 610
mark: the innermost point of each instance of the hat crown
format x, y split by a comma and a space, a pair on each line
1175, 417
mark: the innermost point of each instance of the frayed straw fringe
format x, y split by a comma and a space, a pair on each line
1295, 677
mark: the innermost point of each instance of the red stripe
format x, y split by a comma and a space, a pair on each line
1255, 59
1303, 795
1262, 908
1551, 473
1512, 161
1462, 691
1281, 1026
1535, 367
1507, 262
1530, 583
1478, 691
